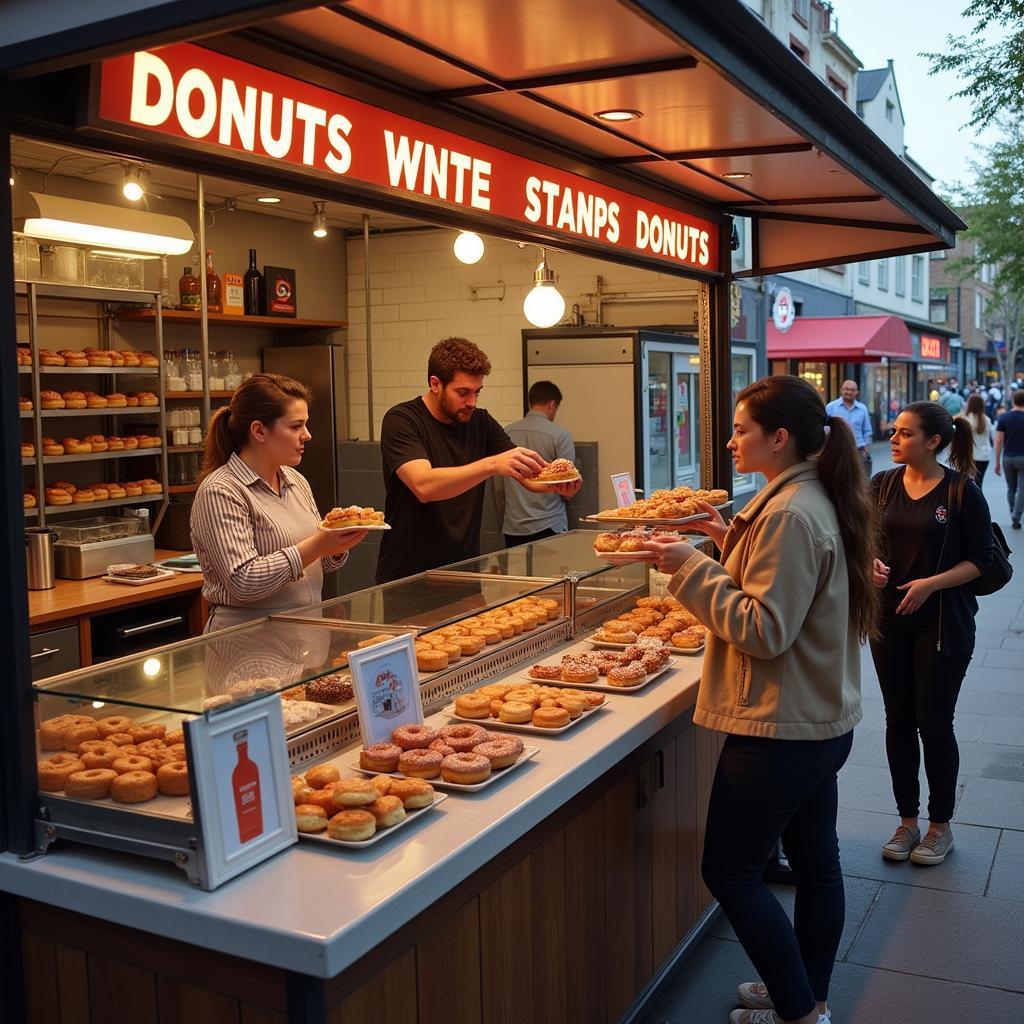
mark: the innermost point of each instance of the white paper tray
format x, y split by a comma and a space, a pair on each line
162, 574
625, 557
382, 833
352, 529
603, 687
533, 730
496, 774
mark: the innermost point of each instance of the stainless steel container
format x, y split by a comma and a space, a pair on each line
39, 557
81, 561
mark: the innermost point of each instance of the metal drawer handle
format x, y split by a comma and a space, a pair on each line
45, 652
150, 626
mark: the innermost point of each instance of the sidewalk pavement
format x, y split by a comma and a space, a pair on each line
941, 944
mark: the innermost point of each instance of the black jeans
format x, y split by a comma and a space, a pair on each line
765, 789
513, 540
979, 472
919, 687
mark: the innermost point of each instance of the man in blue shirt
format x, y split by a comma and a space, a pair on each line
856, 414
531, 516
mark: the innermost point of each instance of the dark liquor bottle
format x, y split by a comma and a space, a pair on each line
251, 287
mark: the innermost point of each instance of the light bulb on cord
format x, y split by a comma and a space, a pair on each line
319, 220
136, 180
544, 305
469, 247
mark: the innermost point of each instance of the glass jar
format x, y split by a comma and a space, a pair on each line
232, 374
218, 365
193, 370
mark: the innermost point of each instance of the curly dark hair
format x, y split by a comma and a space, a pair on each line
456, 355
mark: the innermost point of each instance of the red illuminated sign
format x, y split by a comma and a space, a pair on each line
197, 95
931, 347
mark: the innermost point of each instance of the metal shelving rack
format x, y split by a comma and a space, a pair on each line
110, 299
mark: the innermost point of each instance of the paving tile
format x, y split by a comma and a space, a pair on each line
860, 894
988, 677
1008, 868
993, 802
1006, 659
992, 761
1006, 731
982, 702
946, 935
866, 788
1012, 643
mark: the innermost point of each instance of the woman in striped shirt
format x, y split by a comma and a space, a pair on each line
254, 521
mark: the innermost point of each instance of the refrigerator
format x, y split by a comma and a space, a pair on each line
635, 392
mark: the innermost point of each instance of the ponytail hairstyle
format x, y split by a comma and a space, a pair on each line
955, 434
263, 398
976, 413
791, 403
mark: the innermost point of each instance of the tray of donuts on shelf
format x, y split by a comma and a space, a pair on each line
624, 546
78, 359
114, 760
607, 671
61, 492
302, 706
464, 757
665, 507
356, 812
93, 444
660, 618
55, 401
541, 710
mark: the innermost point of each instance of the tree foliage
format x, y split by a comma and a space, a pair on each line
1004, 322
992, 72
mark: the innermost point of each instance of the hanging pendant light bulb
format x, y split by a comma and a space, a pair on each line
469, 247
136, 181
319, 220
544, 305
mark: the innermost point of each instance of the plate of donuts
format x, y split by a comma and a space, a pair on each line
494, 774
602, 686
608, 645
381, 831
529, 725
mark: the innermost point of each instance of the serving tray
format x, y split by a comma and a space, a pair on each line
382, 833
689, 651
527, 727
497, 774
603, 687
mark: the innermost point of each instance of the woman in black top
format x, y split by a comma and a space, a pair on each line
936, 537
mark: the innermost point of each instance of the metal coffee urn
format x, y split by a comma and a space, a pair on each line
39, 557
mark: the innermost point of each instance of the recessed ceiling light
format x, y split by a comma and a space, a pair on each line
618, 115
736, 175
267, 199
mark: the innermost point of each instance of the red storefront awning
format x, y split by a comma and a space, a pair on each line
848, 339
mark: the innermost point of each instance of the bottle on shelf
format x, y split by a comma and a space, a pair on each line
251, 285
189, 287
166, 296
214, 301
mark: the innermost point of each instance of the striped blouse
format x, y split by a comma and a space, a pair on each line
246, 537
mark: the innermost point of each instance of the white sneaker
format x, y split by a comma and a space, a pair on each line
765, 1016
933, 848
754, 995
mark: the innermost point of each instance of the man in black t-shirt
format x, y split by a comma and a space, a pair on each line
438, 450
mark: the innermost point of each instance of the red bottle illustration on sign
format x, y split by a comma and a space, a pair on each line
245, 784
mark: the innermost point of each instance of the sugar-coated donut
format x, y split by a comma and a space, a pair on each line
99, 758
380, 757
465, 769
54, 771
143, 733
322, 776
473, 705
352, 826
515, 712
76, 735
413, 737
51, 731
502, 752
420, 764
113, 724
414, 793
354, 793
172, 778
441, 746
91, 784
310, 818
576, 670
462, 737
126, 763
133, 787
387, 811
551, 718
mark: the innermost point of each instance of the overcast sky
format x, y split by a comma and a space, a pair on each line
901, 29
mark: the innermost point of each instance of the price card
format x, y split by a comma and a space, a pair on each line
386, 685
241, 787
623, 486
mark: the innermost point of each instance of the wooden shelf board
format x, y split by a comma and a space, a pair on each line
173, 395
148, 410
135, 453
180, 449
138, 371
52, 510
182, 488
279, 323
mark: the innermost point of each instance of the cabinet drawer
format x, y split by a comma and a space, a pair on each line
54, 652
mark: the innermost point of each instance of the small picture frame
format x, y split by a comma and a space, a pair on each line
622, 484
386, 684
241, 787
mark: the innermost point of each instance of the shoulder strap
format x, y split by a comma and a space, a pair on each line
886, 488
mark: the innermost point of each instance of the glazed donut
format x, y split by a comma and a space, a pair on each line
551, 718
301, 792
502, 752
387, 811
462, 737
608, 636
99, 758
322, 776
414, 793
113, 724
52, 448
465, 769
355, 793
92, 784
51, 731
473, 705
75, 399
172, 779
142, 733
493, 690
524, 695
352, 826
420, 763
83, 495
76, 735
51, 399
431, 660
54, 771
515, 712
413, 737
134, 787
115, 400
380, 757
310, 818
57, 496
323, 798
382, 783
442, 747
574, 705
131, 763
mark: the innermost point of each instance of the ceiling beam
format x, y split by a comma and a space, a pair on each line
815, 200
711, 154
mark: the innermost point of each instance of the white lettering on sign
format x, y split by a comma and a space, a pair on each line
583, 213
420, 167
665, 237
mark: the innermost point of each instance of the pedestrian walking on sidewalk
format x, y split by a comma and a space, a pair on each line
787, 609
936, 538
1010, 455
981, 435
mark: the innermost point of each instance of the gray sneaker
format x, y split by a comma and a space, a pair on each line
754, 995
767, 1017
933, 848
903, 841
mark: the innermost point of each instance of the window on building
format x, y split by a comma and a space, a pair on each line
799, 49
802, 10
837, 85
939, 254
988, 273
883, 275
864, 273
938, 311
889, 108
916, 278
979, 310
900, 284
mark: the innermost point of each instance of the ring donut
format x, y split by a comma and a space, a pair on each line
54, 771
113, 724
92, 784
134, 787
132, 763
413, 737
172, 779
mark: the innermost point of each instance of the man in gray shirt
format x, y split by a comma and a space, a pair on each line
527, 515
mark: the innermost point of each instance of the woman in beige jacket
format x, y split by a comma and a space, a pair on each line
786, 609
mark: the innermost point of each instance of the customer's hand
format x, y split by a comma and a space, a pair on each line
880, 573
669, 554
568, 490
917, 592
716, 527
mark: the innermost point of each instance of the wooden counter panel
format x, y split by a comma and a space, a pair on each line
547, 870
389, 998
507, 932
448, 969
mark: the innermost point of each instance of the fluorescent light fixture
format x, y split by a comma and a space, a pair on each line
469, 247
269, 200
736, 175
98, 225
616, 116
319, 220
544, 305
136, 181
